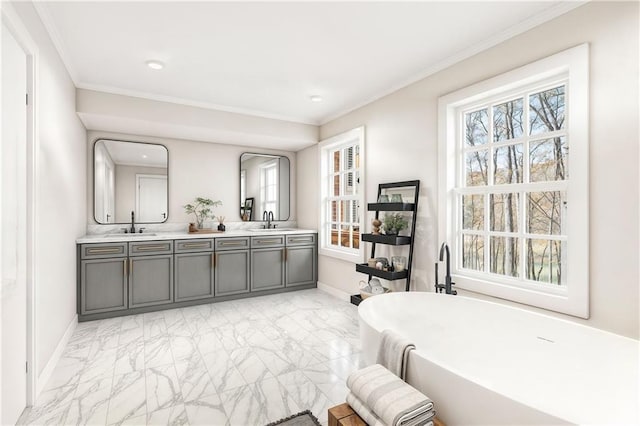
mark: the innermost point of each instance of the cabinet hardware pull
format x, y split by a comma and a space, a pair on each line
147, 248
195, 245
240, 243
104, 250
126, 272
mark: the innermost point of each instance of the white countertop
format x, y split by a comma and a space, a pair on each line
154, 236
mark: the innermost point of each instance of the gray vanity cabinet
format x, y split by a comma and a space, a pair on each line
121, 278
194, 272
301, 260
150, 273
267, 262
103, 278
232, 262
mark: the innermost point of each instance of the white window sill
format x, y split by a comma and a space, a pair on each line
341, 255
557, 299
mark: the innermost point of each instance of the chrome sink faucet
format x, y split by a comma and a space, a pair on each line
267, 216
444, 249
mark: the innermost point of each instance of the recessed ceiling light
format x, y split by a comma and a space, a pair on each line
144, 155
155, 65
315, 98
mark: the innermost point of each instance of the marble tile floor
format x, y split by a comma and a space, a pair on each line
243, 362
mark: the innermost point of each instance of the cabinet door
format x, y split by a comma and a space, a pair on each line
150, 280
301, 265
193, 276
103, 285
267, 268
231, 272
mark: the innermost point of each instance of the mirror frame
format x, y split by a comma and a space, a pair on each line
93, 175
289, 188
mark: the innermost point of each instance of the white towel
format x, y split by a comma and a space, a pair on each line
372, 420
393, 353
390, 399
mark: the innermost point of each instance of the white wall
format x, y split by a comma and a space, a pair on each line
61, 192
401, 138
195, 169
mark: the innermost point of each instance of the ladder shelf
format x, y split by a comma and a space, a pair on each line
391, 240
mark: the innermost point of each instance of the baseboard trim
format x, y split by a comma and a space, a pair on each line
42, 380
342, 295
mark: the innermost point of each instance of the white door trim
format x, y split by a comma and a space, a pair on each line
18, 30
144, 176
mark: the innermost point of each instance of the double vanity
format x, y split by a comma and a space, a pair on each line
135, 273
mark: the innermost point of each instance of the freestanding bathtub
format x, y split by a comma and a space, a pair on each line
487, 363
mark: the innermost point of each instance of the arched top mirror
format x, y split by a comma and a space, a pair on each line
130, 176
264, 186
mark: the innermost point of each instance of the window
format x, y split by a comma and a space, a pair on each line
514, 184
341, 162
269, 187
243, 187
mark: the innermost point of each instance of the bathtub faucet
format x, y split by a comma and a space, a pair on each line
444, 249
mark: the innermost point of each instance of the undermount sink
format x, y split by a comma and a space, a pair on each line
271, 229
130, 235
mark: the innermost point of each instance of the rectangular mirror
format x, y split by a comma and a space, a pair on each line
264, 186
130, 176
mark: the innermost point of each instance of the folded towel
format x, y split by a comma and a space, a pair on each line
372, 420
393, 353
362, 410
388, 397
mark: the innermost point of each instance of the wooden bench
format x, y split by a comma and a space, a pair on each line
343, 415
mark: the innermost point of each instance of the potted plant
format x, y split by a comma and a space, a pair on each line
202, 209
394, 223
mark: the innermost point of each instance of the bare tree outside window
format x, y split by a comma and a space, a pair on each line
525, 143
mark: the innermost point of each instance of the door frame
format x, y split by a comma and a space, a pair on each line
149, 176
13, 23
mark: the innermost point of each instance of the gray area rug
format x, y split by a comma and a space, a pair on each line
304, 418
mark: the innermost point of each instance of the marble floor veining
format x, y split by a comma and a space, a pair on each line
242, 362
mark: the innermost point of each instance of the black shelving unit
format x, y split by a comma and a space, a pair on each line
393, 240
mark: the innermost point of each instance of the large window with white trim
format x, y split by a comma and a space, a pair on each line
341, 165
514, 167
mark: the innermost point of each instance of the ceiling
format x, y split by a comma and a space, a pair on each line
268, 58
136, 154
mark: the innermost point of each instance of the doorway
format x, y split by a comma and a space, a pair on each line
17, 224
151, 198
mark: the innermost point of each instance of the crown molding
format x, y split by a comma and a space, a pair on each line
527, 24
54, 35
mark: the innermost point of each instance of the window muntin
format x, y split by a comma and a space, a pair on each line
512, 189
269, 187
553, 257
343, 178
341, 162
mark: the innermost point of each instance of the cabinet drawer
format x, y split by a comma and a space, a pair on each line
103, 250
267, 241
301, 239
143, 248
232, 243
189, 246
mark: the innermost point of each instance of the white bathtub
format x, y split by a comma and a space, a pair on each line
486, 363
